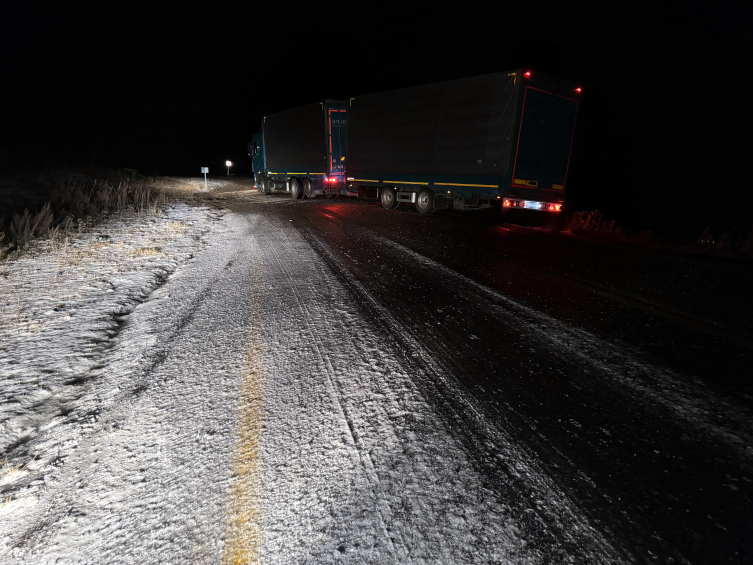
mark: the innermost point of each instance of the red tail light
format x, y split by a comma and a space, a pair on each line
527, 74
579, 90
506, 203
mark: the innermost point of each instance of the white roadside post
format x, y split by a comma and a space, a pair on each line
228, 163
205, 170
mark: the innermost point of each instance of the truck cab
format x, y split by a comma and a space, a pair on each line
256, 152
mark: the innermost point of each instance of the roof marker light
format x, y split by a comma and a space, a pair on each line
579, 90
527, 74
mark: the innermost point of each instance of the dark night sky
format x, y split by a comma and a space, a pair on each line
664, 126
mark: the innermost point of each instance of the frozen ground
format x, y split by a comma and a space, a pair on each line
199, 387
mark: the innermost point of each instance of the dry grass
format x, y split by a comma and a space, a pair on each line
10, 472
593, 224
145, 251
4, 247
177, 228
77, 206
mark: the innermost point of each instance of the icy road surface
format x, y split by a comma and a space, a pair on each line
200, 387
277, 381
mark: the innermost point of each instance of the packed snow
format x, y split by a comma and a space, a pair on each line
198, 386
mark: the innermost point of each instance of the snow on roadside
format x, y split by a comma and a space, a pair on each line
148, 480
59, 305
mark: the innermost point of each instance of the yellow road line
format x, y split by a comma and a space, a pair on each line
243, 518
404, 182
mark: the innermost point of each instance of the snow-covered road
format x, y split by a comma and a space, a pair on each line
219, 396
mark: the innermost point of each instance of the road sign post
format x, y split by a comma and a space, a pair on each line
205, 170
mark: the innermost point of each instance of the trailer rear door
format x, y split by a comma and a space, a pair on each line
545, 136
336, 129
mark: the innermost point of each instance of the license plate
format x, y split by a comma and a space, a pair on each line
534, 205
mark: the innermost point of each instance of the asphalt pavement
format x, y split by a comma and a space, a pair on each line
624, 370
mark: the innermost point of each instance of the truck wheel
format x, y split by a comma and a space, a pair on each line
389, 198
264, 185
308, 189
296, 190
425, 201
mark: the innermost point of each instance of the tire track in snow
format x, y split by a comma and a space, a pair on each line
561, 519
398, 551
423, 486
692, 402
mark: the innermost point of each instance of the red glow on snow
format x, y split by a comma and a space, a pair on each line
342, 210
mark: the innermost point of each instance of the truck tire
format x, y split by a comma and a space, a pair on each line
296, 190
264, 185
388, 197
308, 189
425, 201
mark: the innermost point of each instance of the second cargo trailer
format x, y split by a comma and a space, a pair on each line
465, 144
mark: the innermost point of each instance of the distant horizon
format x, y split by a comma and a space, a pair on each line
663, 109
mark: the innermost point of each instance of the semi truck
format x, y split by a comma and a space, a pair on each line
499, 139
302, 151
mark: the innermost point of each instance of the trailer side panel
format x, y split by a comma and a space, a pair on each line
295, 138
463, 127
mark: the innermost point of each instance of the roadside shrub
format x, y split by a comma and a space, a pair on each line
729, 242
81, 203
4, 248
592, 224
589, 223
27, 226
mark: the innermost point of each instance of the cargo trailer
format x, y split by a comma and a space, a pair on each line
503, 138
302, 151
